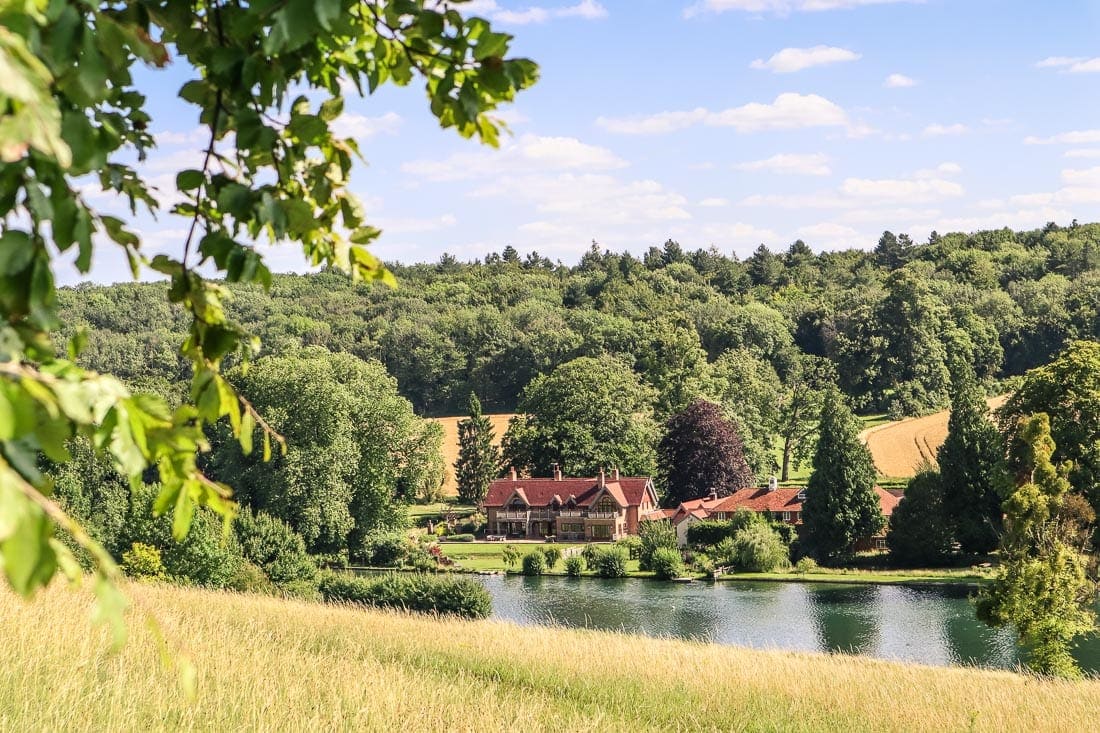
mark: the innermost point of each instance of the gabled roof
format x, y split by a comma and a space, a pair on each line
627, 491
762, 500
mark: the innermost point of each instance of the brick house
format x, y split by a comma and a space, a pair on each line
603, 508
779, 504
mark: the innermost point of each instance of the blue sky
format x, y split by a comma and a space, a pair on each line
726, 123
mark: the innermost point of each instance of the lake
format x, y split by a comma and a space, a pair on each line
927, 625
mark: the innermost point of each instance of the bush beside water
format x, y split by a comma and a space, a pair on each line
442, 594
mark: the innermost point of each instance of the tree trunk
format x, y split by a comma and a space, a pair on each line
787, 448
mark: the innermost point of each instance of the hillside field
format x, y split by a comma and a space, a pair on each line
450, 444
268, 664
900, 447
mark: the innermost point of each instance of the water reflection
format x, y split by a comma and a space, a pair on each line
926, 625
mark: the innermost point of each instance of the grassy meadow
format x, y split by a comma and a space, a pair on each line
268, 664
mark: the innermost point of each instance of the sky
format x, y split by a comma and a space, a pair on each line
725, 123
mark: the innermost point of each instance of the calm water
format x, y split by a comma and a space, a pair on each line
925, 625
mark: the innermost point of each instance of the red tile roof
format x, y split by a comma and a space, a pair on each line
762, 500
539, 492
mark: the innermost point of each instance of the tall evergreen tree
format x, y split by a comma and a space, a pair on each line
478, 456
841, 505
920, 533
701, 452
1042, 588
971, 465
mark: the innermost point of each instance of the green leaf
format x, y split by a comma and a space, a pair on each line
16, 252
248, 427
189, 180
182, 516
29, 561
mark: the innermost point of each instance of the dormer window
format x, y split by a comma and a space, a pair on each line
801, 496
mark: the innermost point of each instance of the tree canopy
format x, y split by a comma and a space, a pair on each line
588, 414
701, 453
841, 506
267, 83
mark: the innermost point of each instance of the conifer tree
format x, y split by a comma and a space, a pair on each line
1042, 588
971, 463
841, 504
478, 456
920, 534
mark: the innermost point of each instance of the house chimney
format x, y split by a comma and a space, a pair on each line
602, 481
773, 484
512, 472
615, 474
713, 496
557, 472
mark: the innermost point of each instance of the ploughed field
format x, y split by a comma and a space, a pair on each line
269, 664
450, 444
900, 447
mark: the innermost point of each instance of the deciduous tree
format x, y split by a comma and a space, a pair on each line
701, 452
588, 414
267, 83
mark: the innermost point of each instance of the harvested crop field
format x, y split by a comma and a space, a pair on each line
900, 447
450, 443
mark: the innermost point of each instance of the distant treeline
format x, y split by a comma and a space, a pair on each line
885, 318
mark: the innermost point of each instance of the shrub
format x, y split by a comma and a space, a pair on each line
420, 592
553, 556
534, 563
460, 538
207, 556
653, 536
710, 532
666, 563
574, 565
273, 546
303, 590
805, 565
143, 561
610, 562
632, 544
510, 556
472, 524
759, 549
589, 553
251, 578
703, 562
386, 549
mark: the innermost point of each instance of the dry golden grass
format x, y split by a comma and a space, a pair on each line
450, 444
900, 447
272, 665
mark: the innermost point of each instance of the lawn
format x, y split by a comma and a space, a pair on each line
265, 664
488, 556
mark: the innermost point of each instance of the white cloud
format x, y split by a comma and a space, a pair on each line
789, 111
1074, 137
190, 137
360, 126
820, 200
902, 190
585, 9
510, 116
1082, 176
938, 130
528, 154
1070, 64
779, 7
713, 202
812, 164
415, 225
943, 169
899, 81
827, 230
1082, 153
795, 59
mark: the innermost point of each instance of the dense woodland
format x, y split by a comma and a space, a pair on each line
758, 335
